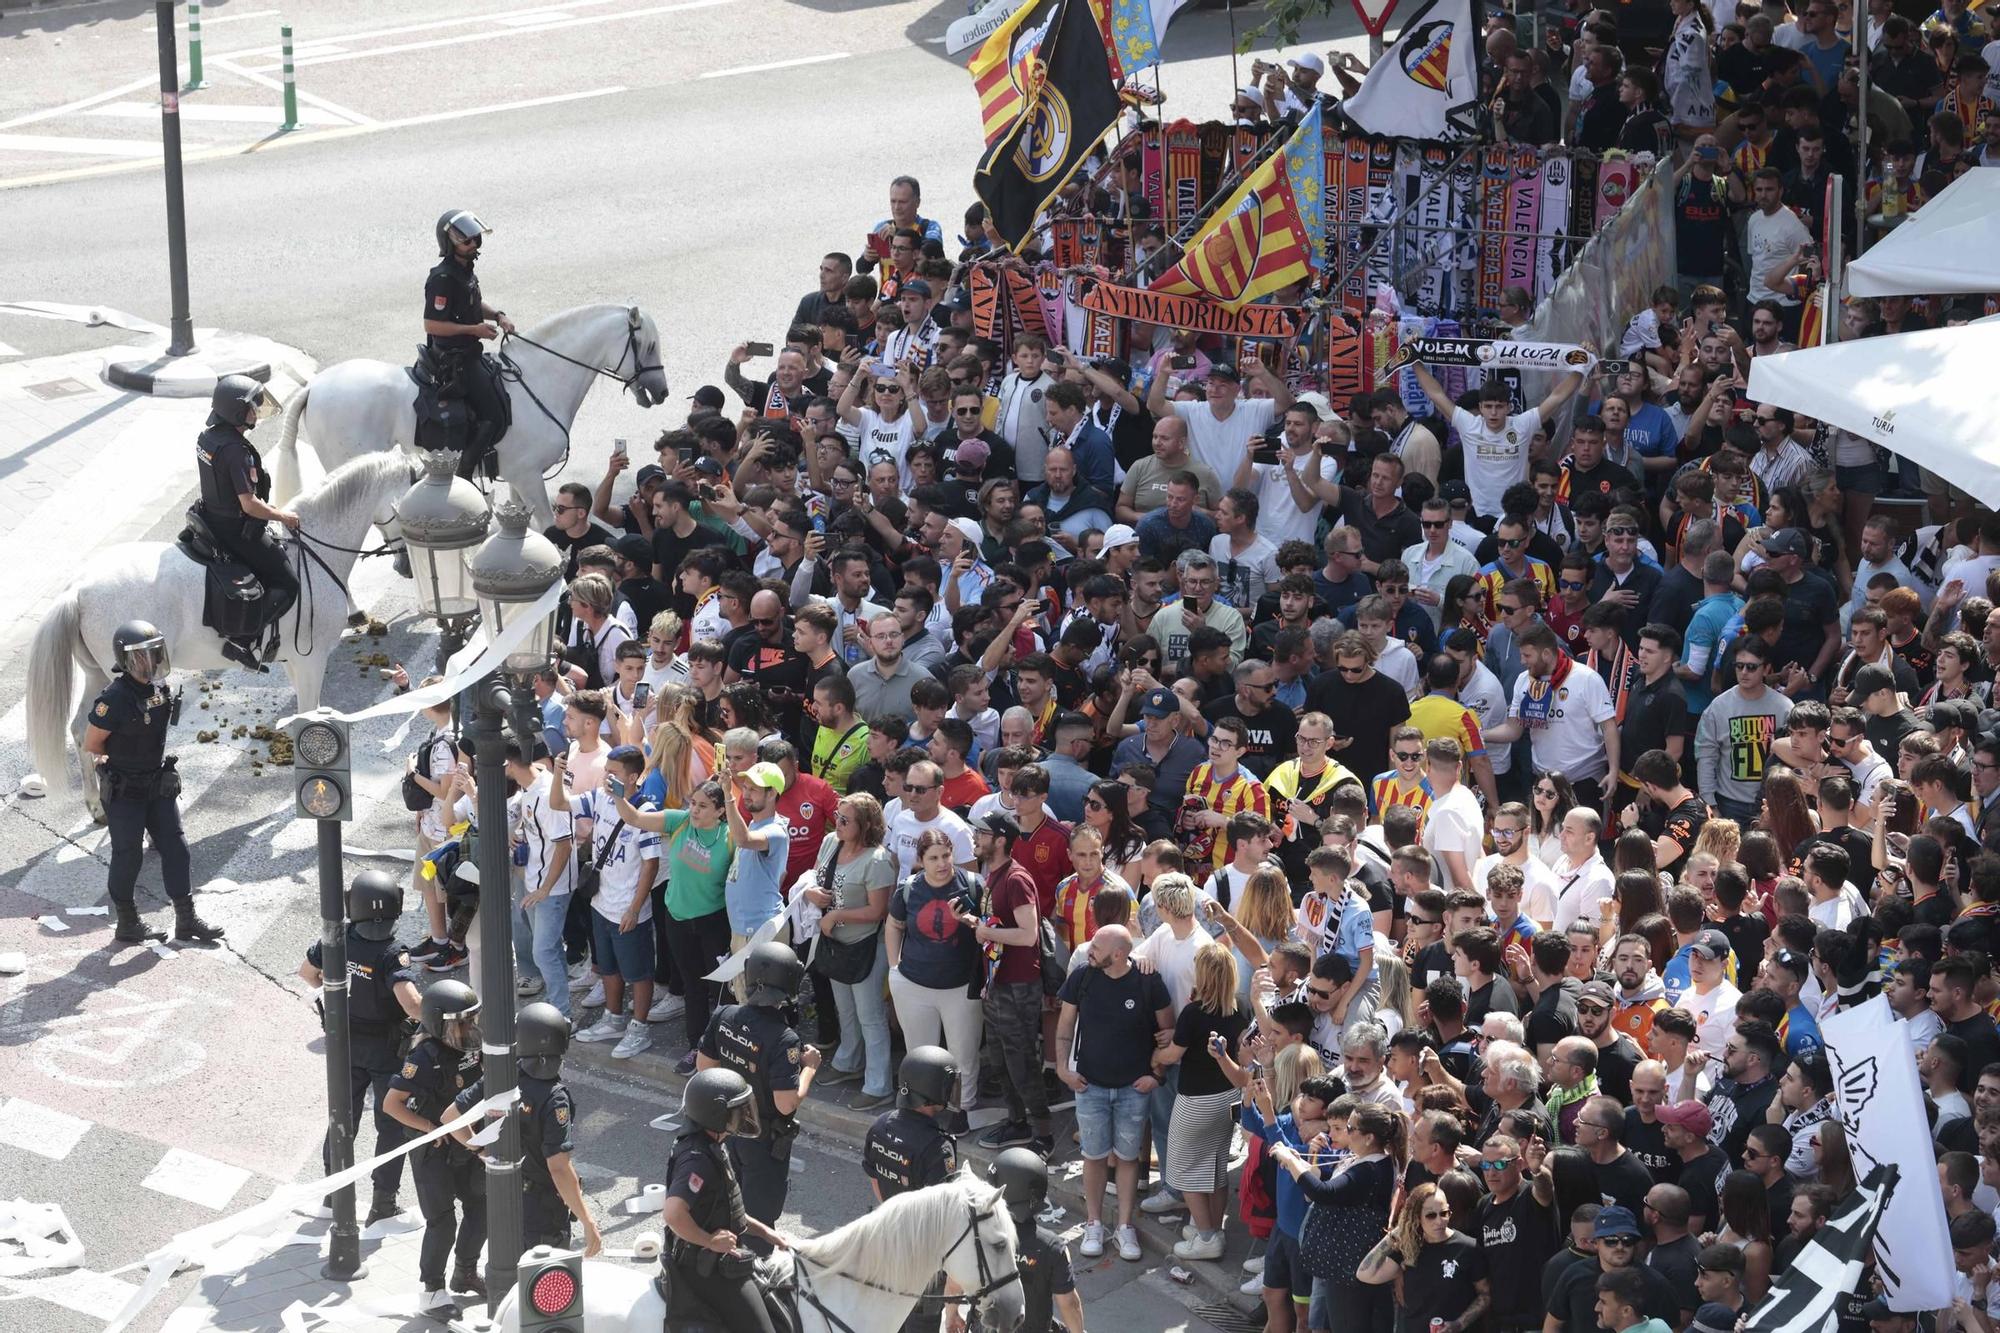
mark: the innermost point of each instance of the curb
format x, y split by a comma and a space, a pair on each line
1217, 1280
191, 376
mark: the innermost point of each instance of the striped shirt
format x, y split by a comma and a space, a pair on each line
1388, 790
1494, 576
1228, 796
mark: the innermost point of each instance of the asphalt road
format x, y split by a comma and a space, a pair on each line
696, 158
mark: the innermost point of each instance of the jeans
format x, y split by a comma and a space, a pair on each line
1743, 812
1014, 1016
1160, 1110
864, 1024
947, 1017
543, 924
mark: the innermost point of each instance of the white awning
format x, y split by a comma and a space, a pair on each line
1950, 245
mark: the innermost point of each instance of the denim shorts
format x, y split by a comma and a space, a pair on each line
1285, 1268
1860, 478
627, 953
1110, 1122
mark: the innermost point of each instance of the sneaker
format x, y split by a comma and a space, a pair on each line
1093, 1241
953, 1122
1128, 1244
1200, 1247
528, 987
596, 996
871, 1101
685, 1065
580, 974
438, 1304
1043, 1146
1007, 1134
666, 1008
1252, 1286
425, 949
608, 1028
1189, 1231
448, 959
831, 1076
1255, 1263
468, 1281
1161, 1201
637, 1038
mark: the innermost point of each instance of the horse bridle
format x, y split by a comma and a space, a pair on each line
974, 1300
639, 367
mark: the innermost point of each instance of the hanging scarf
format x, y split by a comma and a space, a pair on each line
1560, 1097
1046, 719
775, 402
1620, 677
1541, 700
1106, 424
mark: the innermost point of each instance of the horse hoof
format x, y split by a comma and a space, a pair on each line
33, 786
357, 619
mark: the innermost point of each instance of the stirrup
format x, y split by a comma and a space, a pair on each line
243, 655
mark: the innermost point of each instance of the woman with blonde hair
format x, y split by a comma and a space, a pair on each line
679, 758
1204, 1045
1264, 908
1396, 1009
856, 874
1435, 1266
1720, 838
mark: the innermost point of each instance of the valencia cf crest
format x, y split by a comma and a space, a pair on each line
1426, 55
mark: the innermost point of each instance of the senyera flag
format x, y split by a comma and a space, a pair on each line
1006, 66
1262, 238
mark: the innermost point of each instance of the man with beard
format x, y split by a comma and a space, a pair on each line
1743, 1094
1640, 995
1617, 1054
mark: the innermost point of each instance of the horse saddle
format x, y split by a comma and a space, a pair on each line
445, 420
687, 1312
233, 595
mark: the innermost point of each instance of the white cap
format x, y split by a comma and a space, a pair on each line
1318, 402
968, 530
1310, 61
1117, 535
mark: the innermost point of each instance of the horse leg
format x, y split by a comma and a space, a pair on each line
94, 681
526, 479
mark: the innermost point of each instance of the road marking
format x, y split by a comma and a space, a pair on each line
221, 19
776, 64
9, 350
185, 1175
81, 103
309, 99
469, 112
435, 25
190, 111
40, 1130
461, 39
529, 20
67, 143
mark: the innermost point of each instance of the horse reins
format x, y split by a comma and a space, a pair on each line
975, 1299
510, 371
302, 544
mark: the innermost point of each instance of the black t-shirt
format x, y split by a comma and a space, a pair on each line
1200, 1075
1683, 822
1812, 611
1554, 1014
1675, 1261
1574, 1300
1859, 848
1441, 1283
1615, 1064
1885, 734
1383, 536
571, 547
1675, 598
1738, 1108
1747, 933
1495, 997
1115, 1019
1649, 1144
1935, 910
1540, 545
1366, 713
668, 552
1605, 478
1982, 1040
782, 673
1273, 733
1433, 961
1624, 1181
1655, 712
1641, 581
1516, 1239
1699, 1179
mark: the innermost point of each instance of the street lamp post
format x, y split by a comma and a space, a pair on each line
181, 323
443, 518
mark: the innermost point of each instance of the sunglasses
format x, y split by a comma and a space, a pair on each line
1507, 610
1619, 1242
1319, 994
1408, 756
1435, 523
1621, 532
1094, 804
1592, 1009
965, 411
1513, 542
915, 790
1426, 921
1571, 585
1354, 670
1749, 666
1503, 1164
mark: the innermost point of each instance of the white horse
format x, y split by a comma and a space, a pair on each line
361, 406
157, 582
868, 1274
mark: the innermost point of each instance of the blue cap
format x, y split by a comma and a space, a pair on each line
1615, 1221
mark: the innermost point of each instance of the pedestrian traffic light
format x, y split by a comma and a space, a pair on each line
322, 766
550, 1290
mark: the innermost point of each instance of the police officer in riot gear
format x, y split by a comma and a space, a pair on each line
757, 1041
447, 1173
1046, 1280
235, 502
906, 1149
553, 1194
382, 1000
456, 318
706, 1221
126, 739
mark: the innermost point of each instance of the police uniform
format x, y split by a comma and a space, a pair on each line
447, 1174
907, 1151
229, 466
141, 788
547, 1115
703, 1176
1045, 1275
757, 1043
451, 296
376, 1023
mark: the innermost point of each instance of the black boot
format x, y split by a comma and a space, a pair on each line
468, 1282
384, 1206
190, 928
244, 655
132, 928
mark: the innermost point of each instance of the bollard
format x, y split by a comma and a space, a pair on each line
291, 83
195, 81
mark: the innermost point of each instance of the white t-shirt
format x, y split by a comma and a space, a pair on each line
906, 828
1868, 776
1579, 890
434, 822
1495, 460
1769, 238
1714, 1015
1173, 960
542, 827
889, 440
1538, 886
673, 673
1921, 1029
1837, 911
1487, 698
1246, 577
1220, 444
1454, 823
1399, 664
618, 876
1278, 514
1570, 741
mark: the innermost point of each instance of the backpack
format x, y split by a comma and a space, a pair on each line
1049, 951
415, 798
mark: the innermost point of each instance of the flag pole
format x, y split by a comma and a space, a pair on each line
1235, 80
1273, 144
1384, 228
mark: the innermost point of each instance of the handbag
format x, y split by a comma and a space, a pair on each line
587, 875
836, 960
1334, 1240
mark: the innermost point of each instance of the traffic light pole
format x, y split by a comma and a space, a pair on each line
343, 1255
490, 702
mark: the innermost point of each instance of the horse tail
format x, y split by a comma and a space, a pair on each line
51, 683
285, 454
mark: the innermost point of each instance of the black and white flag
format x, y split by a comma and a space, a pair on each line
1803, 1299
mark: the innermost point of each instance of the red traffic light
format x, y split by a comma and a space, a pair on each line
553, 1292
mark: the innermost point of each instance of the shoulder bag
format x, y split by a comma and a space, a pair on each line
848, 964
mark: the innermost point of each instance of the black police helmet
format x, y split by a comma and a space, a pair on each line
458, 224
447, 1000
720, 1101
140, 636
772, 974
374, 902
237, 401
1023, 1178
928, 1076
541, 1037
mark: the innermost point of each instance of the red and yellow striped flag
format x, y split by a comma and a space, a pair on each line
1007, 69
1261, 239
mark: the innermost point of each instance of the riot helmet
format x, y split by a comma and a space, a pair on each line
541, 1037
239, 401
458, 224
772, 974
1023, 1178
720, 1101
445, 1002
137, 644
374, 903
928, 1076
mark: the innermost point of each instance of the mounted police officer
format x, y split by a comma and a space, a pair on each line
906, 1149
235, 495
553, 1194
455, 320
1046, 1280
383, 1000
127, 740
706, 1221
441, 1066
757, 1041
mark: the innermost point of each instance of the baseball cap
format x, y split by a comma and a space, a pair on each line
1713, 1317
1318, 402
1712, 945
972, 453
1954, 713
1311, 61
1788, 541
708, 396
1456, 492
650, 473
1159, 703
1691, 1116
1598, 992
635, 548
1117, 535
1615, 1220
956, 299
968, 530
1869, 681
766, 775
998, 822
914, 287
1222, 370
1249, 93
